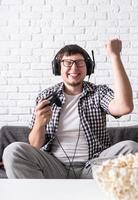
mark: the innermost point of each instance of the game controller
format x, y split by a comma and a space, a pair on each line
54, 99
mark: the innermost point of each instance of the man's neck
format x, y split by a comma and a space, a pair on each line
73, 90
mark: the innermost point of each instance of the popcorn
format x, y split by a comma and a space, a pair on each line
119, 177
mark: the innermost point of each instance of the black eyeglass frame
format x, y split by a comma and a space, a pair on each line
77, 62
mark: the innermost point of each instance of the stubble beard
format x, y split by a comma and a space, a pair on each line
74, 84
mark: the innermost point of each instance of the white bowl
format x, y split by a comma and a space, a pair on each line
117, 175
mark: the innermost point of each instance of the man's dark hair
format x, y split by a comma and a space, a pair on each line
71, 49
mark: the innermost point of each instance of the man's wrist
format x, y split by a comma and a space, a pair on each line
115, 56
39, 126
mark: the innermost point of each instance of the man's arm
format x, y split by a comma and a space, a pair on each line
43, 116
123, 99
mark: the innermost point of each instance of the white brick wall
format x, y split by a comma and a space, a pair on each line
31, 32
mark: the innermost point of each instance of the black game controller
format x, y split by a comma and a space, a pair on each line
54, 99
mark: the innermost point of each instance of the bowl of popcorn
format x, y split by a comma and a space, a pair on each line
117, 176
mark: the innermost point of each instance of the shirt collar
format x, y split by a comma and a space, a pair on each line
87, 88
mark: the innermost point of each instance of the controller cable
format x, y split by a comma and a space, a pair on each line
71, 161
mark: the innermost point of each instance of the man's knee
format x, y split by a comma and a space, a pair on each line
129, 146
13, 151
123, 147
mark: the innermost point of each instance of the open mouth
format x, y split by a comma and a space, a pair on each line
74, 76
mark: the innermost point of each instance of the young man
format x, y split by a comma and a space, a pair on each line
74, 132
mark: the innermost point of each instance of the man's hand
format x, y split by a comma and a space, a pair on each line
43, 113
114, 47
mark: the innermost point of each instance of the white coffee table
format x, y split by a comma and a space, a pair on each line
52, 189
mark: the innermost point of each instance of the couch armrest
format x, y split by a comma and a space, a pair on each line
9, 134
118, 134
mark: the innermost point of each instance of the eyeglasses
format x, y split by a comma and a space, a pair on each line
79, 63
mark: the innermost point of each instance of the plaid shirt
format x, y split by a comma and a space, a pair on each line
92, 108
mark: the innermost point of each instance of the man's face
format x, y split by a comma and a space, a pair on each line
73, 73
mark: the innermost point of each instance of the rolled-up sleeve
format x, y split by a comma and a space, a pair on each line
106, 95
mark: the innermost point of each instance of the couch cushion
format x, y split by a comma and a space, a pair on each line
9, 134
3, 173
118, 134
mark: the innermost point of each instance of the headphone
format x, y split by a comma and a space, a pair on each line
90, 64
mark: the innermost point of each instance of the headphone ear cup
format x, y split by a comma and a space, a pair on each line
90, 66
56, 67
